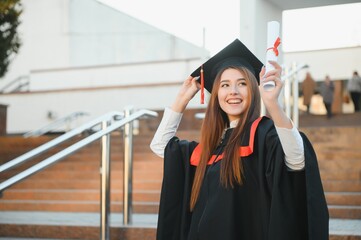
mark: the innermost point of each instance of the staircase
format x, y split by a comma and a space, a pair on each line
339, 156
72, 186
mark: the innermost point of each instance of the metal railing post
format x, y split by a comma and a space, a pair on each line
287, 88
295, 114
128, 169
105, 184
294, 84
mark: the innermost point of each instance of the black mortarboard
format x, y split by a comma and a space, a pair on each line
235, 54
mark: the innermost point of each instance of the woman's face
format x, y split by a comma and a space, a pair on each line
233, 93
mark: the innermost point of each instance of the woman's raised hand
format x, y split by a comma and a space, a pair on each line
270, 97
187, 91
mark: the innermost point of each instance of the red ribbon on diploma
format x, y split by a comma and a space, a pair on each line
202, 86
275, 46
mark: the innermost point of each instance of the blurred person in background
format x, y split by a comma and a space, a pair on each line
308, 89
327, 91
354, 88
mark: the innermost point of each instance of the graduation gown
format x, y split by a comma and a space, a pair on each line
273, 203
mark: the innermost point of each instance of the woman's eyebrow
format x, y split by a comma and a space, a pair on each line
239, 79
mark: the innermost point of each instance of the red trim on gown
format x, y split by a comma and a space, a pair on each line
244, 151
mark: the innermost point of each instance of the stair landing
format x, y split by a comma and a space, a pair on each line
62, 225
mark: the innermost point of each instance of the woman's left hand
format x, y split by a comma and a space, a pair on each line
270, 97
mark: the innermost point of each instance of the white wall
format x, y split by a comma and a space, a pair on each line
28, 111
101, 35
44, 35
112, 75
254, 16
72, 46
96, 91
337, 63
72, 33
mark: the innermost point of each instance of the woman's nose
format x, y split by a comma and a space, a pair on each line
234, 90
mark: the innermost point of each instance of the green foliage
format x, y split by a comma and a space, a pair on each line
10, 11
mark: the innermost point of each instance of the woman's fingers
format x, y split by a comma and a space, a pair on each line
272, 75
261, 74
196, 83
188, 81
275, 64
191, 82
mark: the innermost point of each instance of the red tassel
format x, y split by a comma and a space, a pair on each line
202, 86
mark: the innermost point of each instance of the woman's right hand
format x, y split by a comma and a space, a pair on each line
187, 91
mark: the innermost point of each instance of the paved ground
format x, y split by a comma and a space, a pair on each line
338, 120
337, 226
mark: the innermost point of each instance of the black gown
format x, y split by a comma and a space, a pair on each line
274, 203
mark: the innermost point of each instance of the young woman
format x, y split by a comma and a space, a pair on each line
249, 178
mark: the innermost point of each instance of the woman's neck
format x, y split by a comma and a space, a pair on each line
233, 123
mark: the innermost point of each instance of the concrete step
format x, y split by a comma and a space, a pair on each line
55, 225
45, 232
95, 158
345, 205
343, 198
68, 225
341, 164
78, 163
91, 152
346, 175
81, 184
344, 212
324, 154
341, 186
73, 206
76, 195
91, 175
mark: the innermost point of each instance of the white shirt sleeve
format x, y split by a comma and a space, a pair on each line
166, 130
292, 145
291, 139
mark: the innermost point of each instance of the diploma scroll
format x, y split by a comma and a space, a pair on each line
273, 40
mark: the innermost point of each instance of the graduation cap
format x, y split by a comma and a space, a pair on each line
235, 54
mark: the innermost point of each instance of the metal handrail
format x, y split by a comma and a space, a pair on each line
71, 149
27, 156
53, 125
18, 87
294, 71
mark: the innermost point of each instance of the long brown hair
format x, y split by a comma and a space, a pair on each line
212, 128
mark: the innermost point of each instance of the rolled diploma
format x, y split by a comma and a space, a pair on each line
273, 32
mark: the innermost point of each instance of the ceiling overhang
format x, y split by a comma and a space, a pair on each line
295, 4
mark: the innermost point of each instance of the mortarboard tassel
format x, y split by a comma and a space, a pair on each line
202, 86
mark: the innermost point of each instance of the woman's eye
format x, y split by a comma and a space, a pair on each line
224, 85
242, 84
